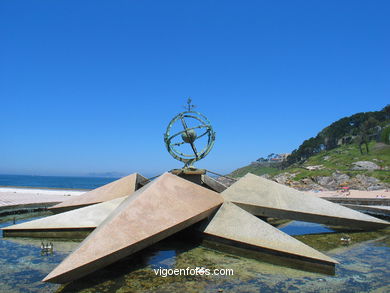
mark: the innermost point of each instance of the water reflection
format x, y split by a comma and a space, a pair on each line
22, 263
301, 228
364, 267
163, 259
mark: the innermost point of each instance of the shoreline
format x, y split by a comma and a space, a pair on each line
43, 188
352, 193
14, 199
19, 198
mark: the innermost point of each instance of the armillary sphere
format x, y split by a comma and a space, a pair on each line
193, 136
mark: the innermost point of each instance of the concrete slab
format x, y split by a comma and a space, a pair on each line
163, 207
71, 223
263, 197
25, 208
119, 188
213, 184
233, 225
374, 210
359, 200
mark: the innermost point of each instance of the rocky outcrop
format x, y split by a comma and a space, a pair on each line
368, 183
333, 182
315, 167
284, 178
365, 165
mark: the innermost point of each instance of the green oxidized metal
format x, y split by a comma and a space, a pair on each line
190, 136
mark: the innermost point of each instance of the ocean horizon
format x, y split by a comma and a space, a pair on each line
55, 182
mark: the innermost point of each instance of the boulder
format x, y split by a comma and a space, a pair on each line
325, 180
366, 180
340, 178
283, 178
365, 165
332, 182
315, 167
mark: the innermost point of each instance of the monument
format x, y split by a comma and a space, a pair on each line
133, 212
189, 136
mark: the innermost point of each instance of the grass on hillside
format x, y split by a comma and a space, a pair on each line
254, 169
339, 159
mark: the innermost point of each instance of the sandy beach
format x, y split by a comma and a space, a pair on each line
13, 196
382, 193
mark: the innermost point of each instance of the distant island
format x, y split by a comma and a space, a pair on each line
106, 174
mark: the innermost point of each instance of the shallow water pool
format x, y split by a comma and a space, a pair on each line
364, 266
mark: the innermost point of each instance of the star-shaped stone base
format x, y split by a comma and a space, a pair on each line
168, 204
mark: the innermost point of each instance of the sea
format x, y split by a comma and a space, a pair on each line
58, 182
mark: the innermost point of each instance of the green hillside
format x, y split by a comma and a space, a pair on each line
340, 159
355, 148
254, 169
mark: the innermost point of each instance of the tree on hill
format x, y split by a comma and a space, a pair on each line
270, 156
360, 125
386, 110
360, 140
366, 128
385, 136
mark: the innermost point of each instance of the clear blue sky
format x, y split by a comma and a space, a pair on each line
90, 86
